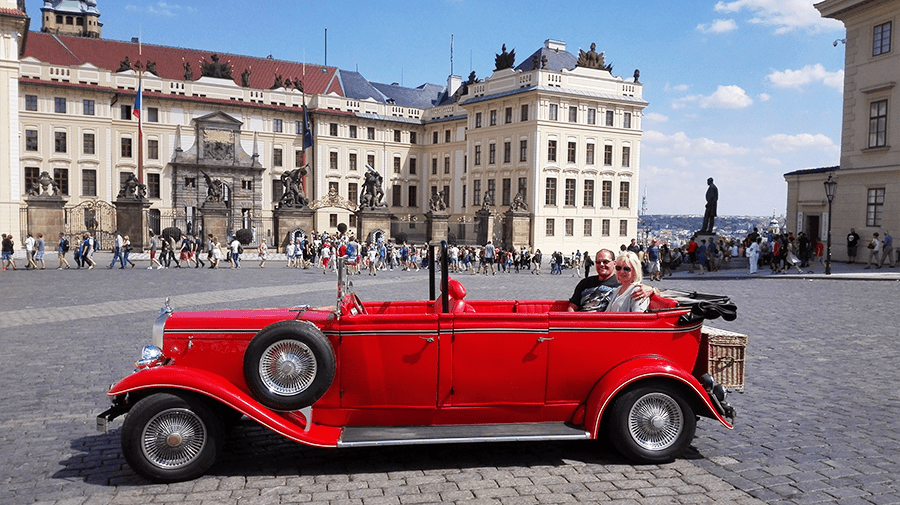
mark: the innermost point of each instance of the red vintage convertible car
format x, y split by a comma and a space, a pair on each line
418, 372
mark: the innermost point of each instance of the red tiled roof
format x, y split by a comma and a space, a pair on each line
13, 12
108, 54
150, 95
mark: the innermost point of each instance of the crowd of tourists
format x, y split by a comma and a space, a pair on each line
780, 252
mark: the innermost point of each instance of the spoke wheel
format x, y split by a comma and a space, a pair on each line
171, 437
652, 423
655, 421
289, 365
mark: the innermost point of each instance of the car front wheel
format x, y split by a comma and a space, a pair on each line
171, 437
652, 424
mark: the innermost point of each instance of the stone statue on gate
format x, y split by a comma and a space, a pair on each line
215, 188
372, 195
294, 191
518, 203
132, 188
437, 203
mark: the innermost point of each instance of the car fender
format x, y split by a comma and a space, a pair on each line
631, 371
292, 425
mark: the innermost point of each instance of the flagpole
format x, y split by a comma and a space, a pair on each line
139, 103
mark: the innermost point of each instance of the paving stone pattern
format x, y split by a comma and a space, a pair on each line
818, 422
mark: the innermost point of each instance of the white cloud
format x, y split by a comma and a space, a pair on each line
784, 143
656, 117
770, 161
810, 73
718, 26
163, 9
727, 97
681, 145
784, 15
677, 87
764, 97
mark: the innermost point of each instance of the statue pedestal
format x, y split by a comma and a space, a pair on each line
708, 236
215, 220
289, 220
372, 224
45, 215
438, 227
484, 226
517, 229
131, 220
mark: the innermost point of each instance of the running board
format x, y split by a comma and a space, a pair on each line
416, 435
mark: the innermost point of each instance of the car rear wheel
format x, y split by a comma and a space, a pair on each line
171, 437
289, 365
652, 424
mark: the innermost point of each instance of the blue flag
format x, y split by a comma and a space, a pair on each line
307, 131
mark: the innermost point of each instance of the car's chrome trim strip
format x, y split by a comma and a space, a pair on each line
421, 435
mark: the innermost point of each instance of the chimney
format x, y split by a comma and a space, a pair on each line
555, 45
453, 84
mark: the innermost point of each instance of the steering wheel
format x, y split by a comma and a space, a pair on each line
352, 305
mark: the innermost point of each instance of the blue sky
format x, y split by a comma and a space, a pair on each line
739, 90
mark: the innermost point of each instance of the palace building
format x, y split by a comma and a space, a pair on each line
868, 177
551, 143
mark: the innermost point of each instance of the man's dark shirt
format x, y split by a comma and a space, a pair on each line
593, 295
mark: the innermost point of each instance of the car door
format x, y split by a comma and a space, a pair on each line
388, 360
499, 359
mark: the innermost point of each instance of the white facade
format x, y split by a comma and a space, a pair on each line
498, 137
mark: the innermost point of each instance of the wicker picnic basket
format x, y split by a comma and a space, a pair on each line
725, 355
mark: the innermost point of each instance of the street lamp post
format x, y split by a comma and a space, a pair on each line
830, 185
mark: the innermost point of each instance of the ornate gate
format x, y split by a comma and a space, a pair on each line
92, 216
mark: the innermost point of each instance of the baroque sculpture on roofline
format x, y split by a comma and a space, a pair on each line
215, 68
504, 59
593, 59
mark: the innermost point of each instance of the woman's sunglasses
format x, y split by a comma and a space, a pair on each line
620, 267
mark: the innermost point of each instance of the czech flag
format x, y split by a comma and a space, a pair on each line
136, 112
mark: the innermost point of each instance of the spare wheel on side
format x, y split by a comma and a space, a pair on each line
289, 365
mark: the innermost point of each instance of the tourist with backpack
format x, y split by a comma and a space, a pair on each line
61, 251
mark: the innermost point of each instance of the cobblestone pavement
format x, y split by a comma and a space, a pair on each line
818, 422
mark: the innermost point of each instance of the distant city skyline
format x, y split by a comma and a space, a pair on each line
742, 91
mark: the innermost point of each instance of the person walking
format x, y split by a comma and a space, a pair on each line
236, 251
117, 251
7, 252
61, 251
874, 250
172, 249
216, 251
39, 250
197, 250
93, 245
263, 252
29, 253
154, 246
887, 249
126, 250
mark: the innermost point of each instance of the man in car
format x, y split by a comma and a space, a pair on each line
592, 293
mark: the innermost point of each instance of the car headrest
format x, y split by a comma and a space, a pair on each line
455, 289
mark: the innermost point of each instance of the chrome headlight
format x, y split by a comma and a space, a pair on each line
151, 356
